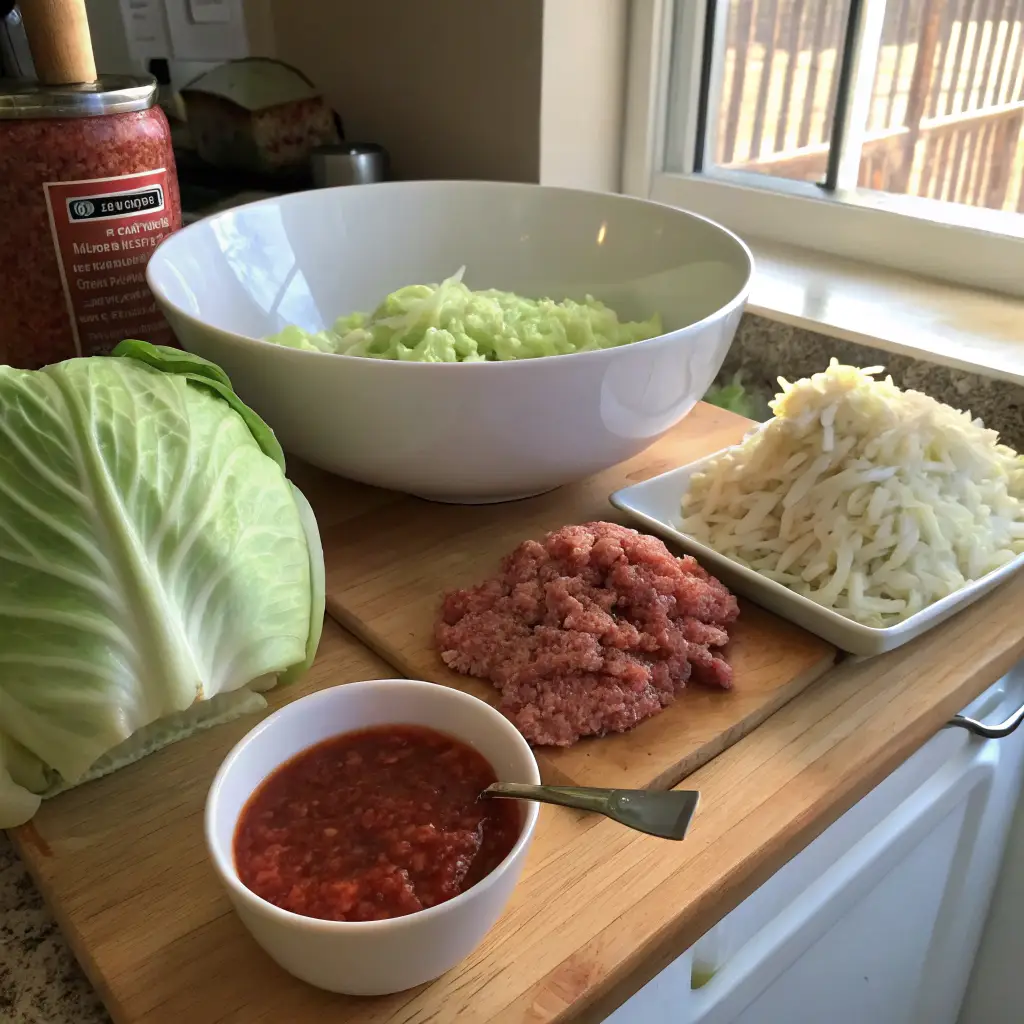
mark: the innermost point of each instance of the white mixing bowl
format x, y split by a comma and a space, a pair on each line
369, 958
457, 432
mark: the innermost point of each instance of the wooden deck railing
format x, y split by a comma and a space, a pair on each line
947, 110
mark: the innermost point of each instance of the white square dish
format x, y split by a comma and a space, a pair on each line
656, 504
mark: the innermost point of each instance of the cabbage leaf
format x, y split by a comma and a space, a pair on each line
449, 323
157, 568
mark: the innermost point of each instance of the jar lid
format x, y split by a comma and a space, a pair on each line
109, 94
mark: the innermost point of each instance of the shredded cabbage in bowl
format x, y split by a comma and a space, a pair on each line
449, 323
869, 500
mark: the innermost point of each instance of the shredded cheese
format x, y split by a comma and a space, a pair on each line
872, 501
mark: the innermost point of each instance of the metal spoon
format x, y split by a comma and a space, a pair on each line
664, 813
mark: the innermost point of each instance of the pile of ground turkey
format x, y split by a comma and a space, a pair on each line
589, 631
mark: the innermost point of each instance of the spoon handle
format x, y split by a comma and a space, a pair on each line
583, 799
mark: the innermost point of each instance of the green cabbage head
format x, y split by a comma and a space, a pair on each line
157, 568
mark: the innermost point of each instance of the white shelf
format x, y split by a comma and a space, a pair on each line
960, 327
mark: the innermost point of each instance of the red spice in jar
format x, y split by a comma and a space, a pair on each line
374, 824
87, 191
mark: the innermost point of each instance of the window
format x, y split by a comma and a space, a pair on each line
890, 131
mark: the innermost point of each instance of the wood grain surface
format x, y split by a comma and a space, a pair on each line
123, 865
388, 567
600, 909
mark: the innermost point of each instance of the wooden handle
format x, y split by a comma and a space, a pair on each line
58, 36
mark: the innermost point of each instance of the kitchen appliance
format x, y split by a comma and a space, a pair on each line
258, 116
349, 163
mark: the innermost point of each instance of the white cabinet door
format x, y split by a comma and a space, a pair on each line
995, 994
877, 921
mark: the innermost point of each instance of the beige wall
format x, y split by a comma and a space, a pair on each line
259, 26
109, 45
452, 88
583, 92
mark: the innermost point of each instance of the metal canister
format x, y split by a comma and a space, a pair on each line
349, 163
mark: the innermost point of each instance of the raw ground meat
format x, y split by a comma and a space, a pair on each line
589, 631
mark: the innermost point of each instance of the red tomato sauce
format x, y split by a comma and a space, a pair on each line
374, 824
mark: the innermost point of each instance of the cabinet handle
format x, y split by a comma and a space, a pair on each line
989, 732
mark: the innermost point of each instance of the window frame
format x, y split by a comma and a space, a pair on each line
921, 236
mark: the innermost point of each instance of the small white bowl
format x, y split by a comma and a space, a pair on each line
372, 957
656, 505
457, 432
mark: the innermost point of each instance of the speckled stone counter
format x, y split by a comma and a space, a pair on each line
766, 349
40, 982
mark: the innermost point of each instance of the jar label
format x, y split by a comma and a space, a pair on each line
104, 231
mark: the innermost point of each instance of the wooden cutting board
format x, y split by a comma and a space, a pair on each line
388, 566
123, 866
121, 861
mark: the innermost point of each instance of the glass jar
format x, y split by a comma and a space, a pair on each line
87, 191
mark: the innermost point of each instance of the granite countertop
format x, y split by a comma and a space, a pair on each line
40, 982
599, 910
